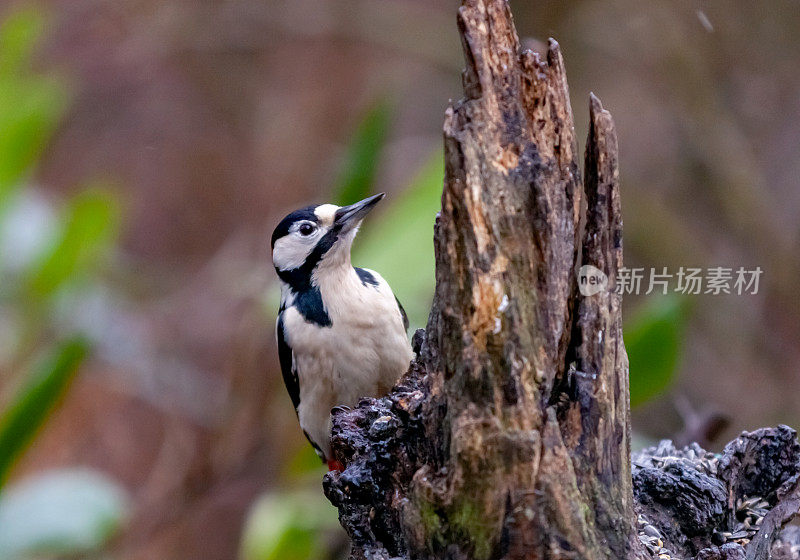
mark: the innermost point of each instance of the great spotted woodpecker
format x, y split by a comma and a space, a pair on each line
341, 331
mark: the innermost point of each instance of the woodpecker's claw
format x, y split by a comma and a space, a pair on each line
339, 409
334, 465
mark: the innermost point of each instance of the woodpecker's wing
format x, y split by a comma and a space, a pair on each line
290, 378
402, 312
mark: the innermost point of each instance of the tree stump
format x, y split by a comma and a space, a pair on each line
510, 435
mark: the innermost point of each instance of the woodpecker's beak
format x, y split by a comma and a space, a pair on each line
348, 217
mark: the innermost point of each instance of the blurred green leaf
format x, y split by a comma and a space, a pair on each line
30, 105
18, 35
60, 513
29, 410
654, 339
398, 243
357, 177
304, 462
288, 526
29, 112
88, 227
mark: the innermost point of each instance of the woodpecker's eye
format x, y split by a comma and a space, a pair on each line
306, 229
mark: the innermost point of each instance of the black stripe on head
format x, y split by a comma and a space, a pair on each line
308, 300
282, 229
299, 279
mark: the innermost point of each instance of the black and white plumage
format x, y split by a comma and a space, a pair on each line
341, 332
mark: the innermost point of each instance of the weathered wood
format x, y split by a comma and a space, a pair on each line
526, 417
732, 505
509, 438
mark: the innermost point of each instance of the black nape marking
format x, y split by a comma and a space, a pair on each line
366, 277
299, 278
290, 378
402, 312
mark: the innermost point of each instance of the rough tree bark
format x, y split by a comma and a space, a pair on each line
510, 435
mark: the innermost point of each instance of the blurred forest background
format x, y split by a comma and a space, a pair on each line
148, 148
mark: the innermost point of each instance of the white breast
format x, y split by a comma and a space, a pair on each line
362, 354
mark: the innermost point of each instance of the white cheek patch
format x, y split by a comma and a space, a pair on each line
290, 252
326, 213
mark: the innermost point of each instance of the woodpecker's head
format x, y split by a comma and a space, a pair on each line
316, 238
